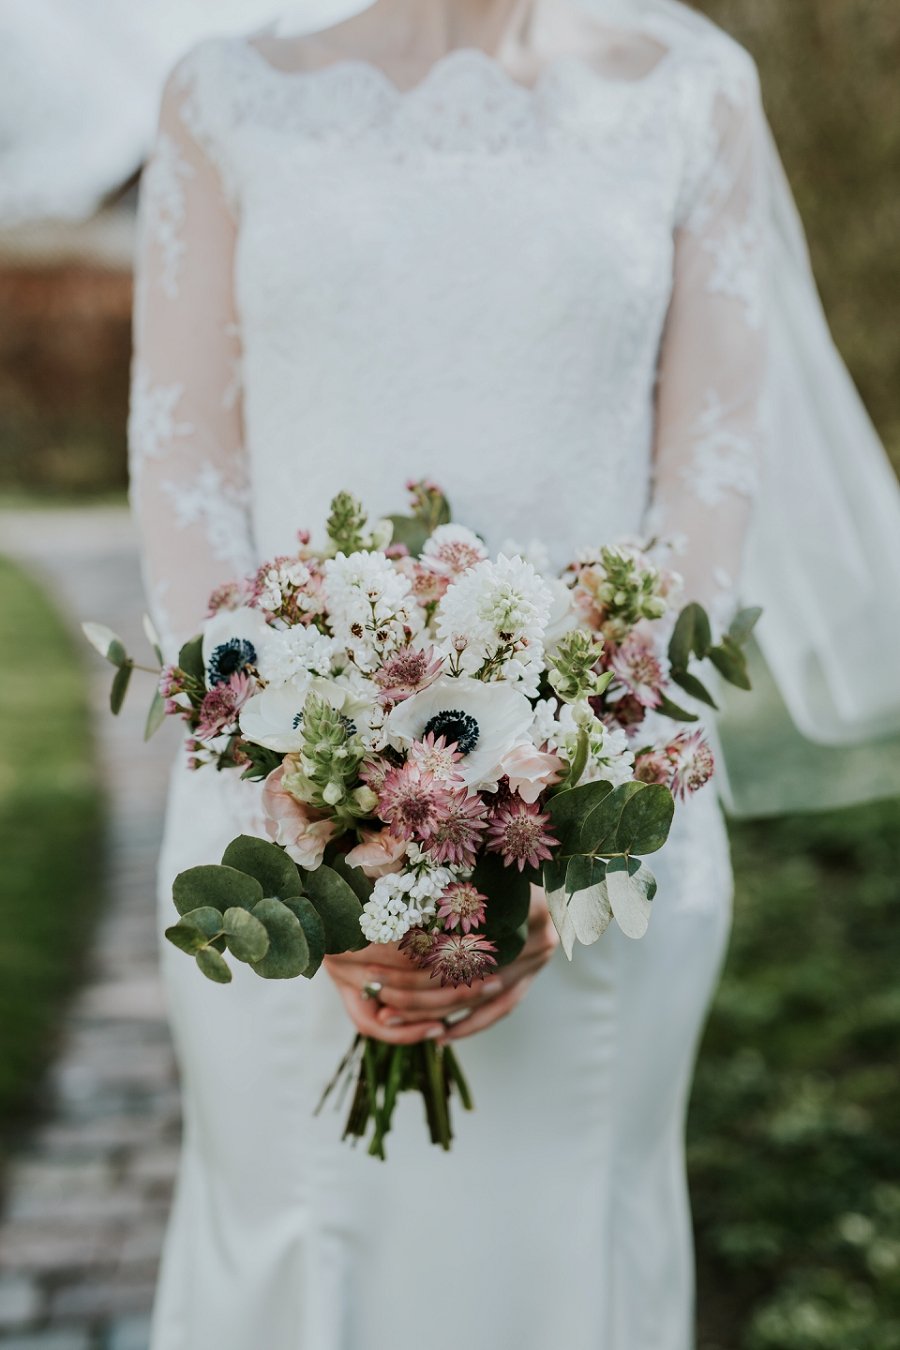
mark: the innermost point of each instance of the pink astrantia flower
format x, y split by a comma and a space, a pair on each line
435, 756
517, 831
406, 672
637, 666
301, 831
462, 906
452, 550
653, 766
530, 770
458, 832
460, 958
418, 945
692, 762
233, 595
378, 853
411, 802
221, 705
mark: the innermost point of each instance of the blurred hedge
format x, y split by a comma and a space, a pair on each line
829, 70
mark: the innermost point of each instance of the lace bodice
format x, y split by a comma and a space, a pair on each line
549, 299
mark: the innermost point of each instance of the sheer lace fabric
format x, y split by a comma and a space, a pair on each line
551, 299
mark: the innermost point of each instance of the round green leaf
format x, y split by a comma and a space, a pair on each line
558, 903
632, 887
569, 810
588, 899
121, 681
313, 928
508, 894
599, 832
156, 715
276, 873
288, 954
212, 884
247, 938
190, 659
646, 820
355, 877
195, 929
338, 908
213, 965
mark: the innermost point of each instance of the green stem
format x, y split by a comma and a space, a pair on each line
455, 1075
437, 1092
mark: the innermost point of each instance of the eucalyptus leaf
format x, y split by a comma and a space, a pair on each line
246, 937
361, 885
213, 884
670, 709
646, 820
588, 899
731, 663
121, 681
313, 928
691, 635
338, 908
508, 893
410, 531
190, 659
152, 637
288, 953
156, 715
691, 685
213, 965
277, 874
195, 929
557, 903
743, 624
631, 887
570, 809
600, 830
103, 640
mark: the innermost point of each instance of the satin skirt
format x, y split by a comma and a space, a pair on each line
559, 1219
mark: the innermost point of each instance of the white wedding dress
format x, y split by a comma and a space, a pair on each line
550, 300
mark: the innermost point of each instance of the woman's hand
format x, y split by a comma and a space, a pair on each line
413, 1006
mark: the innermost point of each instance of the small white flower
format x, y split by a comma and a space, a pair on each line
371, 608
496, 611
290, 652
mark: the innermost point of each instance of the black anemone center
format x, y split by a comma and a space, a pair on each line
454, 726
229, 658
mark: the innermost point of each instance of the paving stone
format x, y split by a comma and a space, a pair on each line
20, 1301
86, 1200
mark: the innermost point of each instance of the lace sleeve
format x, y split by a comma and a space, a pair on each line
709, 408
187, 468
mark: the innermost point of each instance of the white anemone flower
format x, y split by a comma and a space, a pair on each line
485, 720
234, 625
273, 718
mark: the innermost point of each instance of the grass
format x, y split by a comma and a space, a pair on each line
50, 836
796, 1114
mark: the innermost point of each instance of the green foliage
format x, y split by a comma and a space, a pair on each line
219, 887
50, 835
338, 908
596, 818
795, 1117
346, 524
287, 954
274, 871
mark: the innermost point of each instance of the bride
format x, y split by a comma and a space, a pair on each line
524, 251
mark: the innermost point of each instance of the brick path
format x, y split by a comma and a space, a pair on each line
87, 1197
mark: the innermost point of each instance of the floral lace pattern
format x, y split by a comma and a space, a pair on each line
164, 187
735, 272
723, 459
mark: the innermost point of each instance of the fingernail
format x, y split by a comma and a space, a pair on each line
433, 1034
393, 1022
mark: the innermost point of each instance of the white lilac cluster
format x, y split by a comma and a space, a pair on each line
491, 622
371, 608
557, 725
283, 579
404, 900
290, 653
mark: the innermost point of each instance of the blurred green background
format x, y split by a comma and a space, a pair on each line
795, 1120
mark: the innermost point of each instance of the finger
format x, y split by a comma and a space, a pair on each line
437, 1001
407, 1034
488, 1013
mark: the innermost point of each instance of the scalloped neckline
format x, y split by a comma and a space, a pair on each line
459, 58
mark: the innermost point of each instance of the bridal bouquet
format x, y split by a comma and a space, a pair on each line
436, 730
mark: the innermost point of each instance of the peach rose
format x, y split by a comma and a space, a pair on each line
379, 853
297, 827
530, 770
